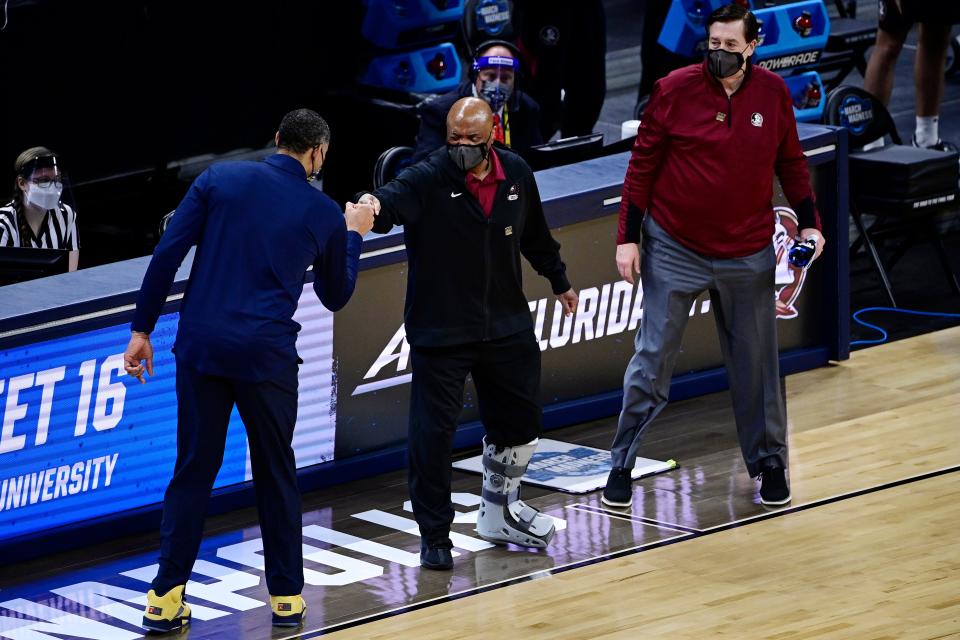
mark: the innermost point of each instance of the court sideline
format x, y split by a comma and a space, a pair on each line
867, 549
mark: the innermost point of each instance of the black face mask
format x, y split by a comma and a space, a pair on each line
468, 156
723, 63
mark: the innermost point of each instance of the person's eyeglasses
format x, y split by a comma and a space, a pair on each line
46, 182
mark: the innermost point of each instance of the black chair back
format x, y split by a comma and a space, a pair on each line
486, 24
390, 163
861, 114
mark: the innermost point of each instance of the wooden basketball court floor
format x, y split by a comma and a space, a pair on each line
869, 547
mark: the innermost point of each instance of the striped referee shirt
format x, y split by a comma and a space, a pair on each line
57, 231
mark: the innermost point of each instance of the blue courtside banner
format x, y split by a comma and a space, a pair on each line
79, 439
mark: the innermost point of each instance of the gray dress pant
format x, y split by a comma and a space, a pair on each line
742, 295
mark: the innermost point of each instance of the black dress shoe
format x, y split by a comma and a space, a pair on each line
619, 489
437, 558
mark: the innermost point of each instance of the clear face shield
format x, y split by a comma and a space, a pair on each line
496, 78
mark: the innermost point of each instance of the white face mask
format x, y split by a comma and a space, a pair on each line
45, 198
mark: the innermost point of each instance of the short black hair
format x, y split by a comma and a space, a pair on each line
733, 12
301, 130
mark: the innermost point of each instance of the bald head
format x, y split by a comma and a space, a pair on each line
470, 121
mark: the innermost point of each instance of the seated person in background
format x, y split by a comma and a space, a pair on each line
36, 217
493, 78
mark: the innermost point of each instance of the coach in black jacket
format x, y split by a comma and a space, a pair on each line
469, 212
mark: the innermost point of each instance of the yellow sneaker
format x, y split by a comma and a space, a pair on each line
167, 612
288, 611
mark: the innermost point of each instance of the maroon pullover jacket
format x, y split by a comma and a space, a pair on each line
703, 163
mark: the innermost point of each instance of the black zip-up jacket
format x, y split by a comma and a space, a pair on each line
464, 282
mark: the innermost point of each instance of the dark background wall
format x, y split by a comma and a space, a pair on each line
122, 89
119, 84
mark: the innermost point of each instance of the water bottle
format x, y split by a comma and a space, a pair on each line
801, 253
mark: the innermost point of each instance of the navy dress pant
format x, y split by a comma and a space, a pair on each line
269, 412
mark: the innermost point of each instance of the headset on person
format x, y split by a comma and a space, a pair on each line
478, 61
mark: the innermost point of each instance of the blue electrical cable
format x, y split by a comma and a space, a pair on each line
885, 335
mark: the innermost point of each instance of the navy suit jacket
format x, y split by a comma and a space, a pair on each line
257, 226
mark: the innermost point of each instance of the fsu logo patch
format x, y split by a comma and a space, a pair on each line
550, 35
789, 279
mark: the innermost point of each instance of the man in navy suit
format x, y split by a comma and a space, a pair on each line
257, 227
